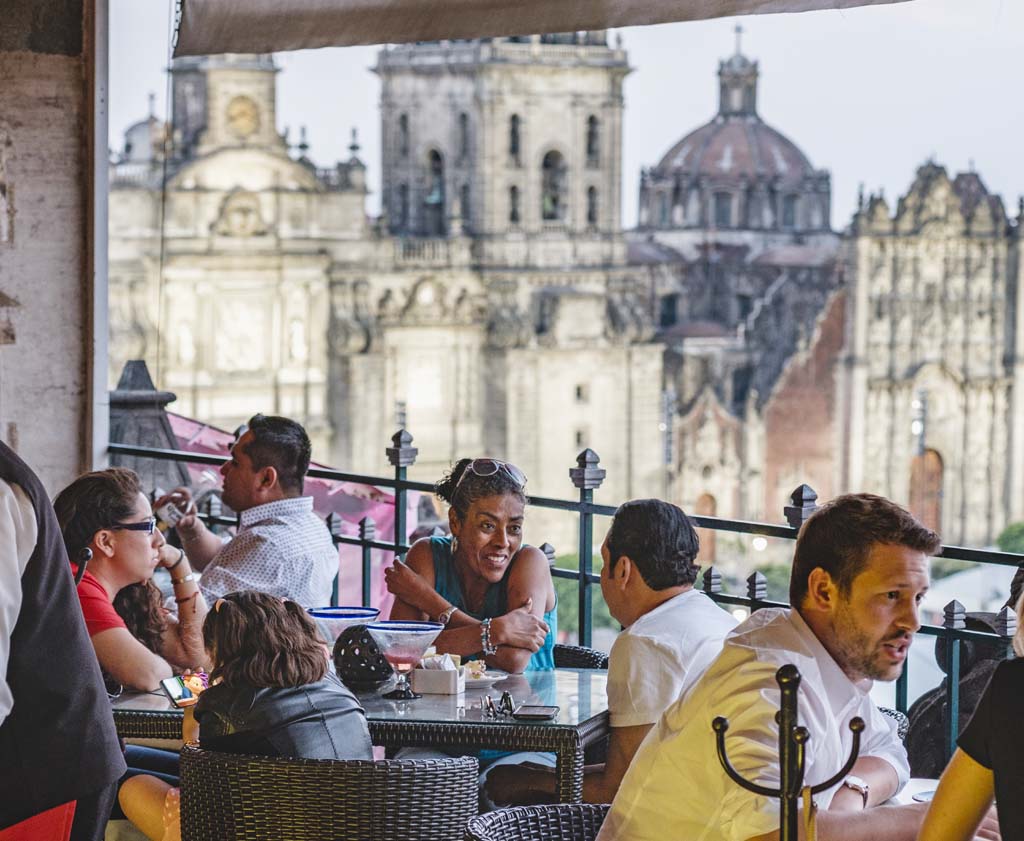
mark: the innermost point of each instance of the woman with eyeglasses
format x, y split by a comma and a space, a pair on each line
106, 519
492, 592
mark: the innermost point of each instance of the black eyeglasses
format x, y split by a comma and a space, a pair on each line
146, 525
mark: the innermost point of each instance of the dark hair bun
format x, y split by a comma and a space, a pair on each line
446, 487
358, 661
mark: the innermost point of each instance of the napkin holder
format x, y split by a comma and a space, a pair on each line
438, 682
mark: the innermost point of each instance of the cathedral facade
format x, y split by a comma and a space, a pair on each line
728, 349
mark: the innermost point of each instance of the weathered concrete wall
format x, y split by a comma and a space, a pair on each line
44, 187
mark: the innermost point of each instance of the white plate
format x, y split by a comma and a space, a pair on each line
485, 682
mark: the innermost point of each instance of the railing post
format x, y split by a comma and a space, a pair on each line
334, 523
805, 503
757, 588
401, 455
367, 533
586, 476
953, 615
549, 553
712, 581
1006, 625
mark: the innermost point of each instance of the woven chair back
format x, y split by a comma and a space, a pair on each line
578, 657
232, 796
562, 822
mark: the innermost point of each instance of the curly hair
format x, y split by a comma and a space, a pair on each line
460, 489
96, 501
262, 641
659, 538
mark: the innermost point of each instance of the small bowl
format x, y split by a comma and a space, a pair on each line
332, 621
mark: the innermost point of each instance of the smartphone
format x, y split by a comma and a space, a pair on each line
528, 713
178, 692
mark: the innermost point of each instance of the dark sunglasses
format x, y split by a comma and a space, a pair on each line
146, 525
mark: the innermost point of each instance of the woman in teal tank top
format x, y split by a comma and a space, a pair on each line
493, 593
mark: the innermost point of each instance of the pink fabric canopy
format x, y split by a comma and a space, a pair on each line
351, 501
263, 26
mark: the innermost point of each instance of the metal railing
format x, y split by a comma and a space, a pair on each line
587, 476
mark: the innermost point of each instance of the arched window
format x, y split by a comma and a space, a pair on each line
464, 202
789, 212
402, 208
403, 135
434, 203
463, 135
663, 210
513, 205
553, 188
926, 489
723, 210
514, 128
593, 141
591, 205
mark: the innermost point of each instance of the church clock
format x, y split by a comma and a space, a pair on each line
243, 117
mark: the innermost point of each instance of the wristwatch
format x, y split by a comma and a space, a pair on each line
445, 616
859, 785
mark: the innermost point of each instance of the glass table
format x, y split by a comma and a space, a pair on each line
451, 722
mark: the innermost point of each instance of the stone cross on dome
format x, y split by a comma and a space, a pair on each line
739, 36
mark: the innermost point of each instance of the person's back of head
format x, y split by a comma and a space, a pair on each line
283, 444
262, 641
839, 536
659, 539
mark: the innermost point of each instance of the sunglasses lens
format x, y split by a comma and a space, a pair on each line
485, 466
517, 475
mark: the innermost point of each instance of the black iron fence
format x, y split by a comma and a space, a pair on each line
587, 476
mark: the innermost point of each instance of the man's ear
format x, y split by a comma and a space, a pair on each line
268, 478
822, 592
622, 572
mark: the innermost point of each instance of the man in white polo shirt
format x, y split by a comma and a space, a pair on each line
672, 632
860, 570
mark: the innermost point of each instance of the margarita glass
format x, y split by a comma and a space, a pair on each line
331, 621
402, 644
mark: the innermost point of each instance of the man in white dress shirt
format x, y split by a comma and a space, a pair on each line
860, 570
282, 547
672, 632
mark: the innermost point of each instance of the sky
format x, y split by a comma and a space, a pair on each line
869, 94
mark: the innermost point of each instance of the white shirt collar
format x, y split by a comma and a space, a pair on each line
277, 508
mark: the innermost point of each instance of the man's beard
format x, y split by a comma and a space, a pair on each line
861, 655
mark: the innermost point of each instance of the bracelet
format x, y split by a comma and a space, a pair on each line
181, 557
193, 598
485, 638
190, 577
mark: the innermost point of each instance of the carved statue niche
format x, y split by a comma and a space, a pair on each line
240, 216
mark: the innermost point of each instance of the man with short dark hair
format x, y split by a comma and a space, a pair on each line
859, 573
282, 547
671, 633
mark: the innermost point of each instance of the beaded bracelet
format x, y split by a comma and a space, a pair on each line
485, 638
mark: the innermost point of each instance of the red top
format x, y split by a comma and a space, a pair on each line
96, 607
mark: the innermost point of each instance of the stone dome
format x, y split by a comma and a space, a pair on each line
736, 171
737, 148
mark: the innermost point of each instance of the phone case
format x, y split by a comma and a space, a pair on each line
535, 713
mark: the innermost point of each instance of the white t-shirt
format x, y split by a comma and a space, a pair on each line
675, 786
664, 651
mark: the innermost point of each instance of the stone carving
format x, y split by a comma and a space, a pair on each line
240, 216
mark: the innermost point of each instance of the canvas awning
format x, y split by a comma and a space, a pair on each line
264, 26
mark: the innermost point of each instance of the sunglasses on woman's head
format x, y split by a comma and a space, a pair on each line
146, 525
485, 467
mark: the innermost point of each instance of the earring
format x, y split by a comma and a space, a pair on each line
455, 544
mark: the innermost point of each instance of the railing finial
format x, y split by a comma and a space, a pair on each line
712, 581
367, 529
954, 615
757, 587
401, 455
1006, 622
805, 503
587, 474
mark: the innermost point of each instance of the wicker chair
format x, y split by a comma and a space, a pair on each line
577, 657
563, 822
902, 722
232, 796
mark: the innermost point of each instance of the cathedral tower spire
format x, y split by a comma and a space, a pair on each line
737, 77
